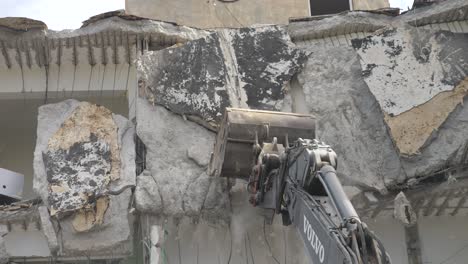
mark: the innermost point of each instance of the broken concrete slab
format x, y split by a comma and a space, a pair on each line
189, 79
424, 109
84, 124
50, 118
85, 157
436, 60
349, 118
247, 68
412, 129
81, 159
445, 151
266, 61
174, 183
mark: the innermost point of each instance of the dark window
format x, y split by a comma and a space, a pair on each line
325, 7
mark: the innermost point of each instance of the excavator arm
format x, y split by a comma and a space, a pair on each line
296, 180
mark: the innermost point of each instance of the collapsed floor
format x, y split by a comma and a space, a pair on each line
387, 91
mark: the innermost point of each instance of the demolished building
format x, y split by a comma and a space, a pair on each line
388, 93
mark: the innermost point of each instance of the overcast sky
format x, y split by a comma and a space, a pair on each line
402, 4
68, 14
59, 14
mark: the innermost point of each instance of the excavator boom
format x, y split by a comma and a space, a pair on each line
292, 174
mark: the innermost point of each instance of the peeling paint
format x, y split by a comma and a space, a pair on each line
437, 61
411, 129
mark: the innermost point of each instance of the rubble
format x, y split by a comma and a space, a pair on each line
85, 157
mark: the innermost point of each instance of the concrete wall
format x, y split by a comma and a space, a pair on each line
369, 4
214, 13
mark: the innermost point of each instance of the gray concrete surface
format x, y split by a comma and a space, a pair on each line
214, 13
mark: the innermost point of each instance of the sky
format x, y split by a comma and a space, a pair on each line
68, 14
59, 14
402, 4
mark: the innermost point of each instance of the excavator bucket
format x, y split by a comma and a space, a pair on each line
235, 150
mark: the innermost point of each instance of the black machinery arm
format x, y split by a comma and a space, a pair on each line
295, 180
300, 182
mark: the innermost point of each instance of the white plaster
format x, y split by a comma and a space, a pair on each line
395, 89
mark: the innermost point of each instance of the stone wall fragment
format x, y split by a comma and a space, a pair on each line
246, 67
435, 59
176, 183
349, 118
411, 129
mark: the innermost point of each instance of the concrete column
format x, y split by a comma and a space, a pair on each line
413, 244
156, 235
